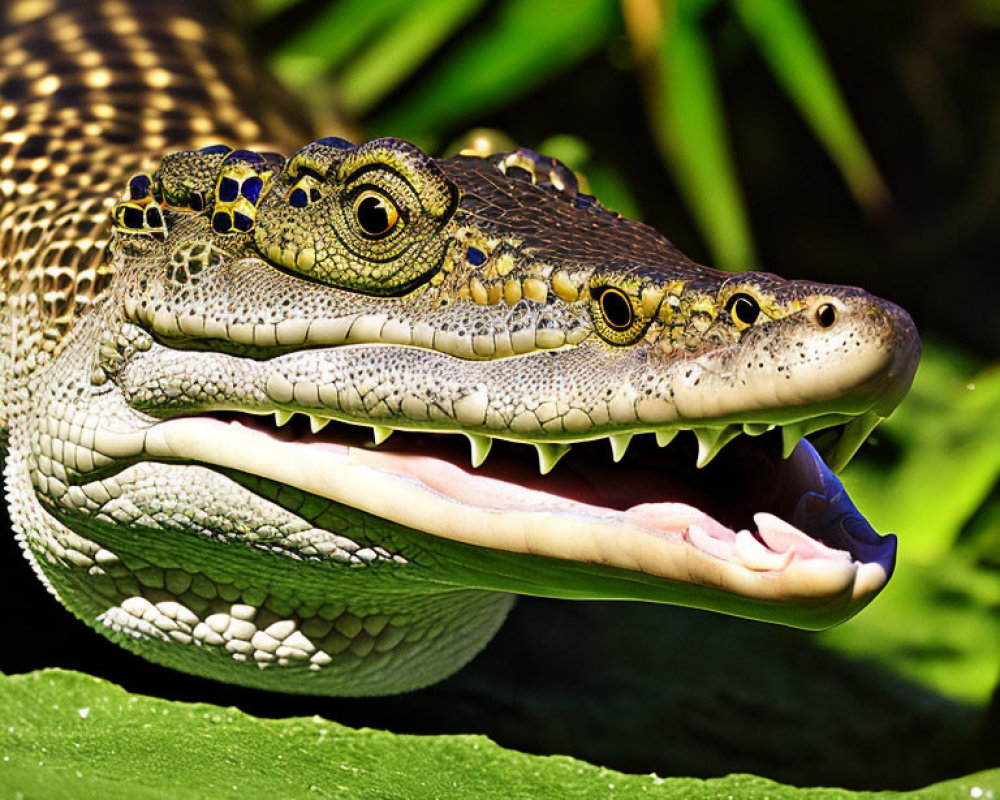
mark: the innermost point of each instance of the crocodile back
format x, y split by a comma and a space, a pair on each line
90, 93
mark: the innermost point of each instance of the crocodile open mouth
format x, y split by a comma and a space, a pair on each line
752, 524
747, 477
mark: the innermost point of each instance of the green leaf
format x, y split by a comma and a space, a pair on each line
794, 55
525, 43
331, 38
405, 45
67, 735
691, 133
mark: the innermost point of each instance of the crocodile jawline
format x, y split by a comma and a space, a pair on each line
795, 509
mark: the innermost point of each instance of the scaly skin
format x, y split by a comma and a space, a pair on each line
150, 374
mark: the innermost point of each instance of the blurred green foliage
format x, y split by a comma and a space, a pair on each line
363, 51
930, 473
688, 123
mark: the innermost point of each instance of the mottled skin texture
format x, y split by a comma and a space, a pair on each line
378, 287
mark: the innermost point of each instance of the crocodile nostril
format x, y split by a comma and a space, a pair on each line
826, 315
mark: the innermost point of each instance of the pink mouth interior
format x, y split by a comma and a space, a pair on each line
748, 487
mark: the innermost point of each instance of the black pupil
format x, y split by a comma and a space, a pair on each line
373, 216
826, 315
616, 309
744, 308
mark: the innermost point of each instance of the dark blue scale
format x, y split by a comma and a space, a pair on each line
337, 142
475, 256
251, 189
139, 187
298, 198
241, 221
229, 190
214, 149
247, 157
221, 223
154, 219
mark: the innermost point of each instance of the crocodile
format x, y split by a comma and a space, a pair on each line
309, 415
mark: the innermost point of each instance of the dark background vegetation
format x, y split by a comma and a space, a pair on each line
737, 176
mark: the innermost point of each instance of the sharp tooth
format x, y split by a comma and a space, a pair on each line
854, 434
712, 440
826, 443
663, 438
480, 447
756, 428
281, 417
316, 424
619, 444
791, 434
549, 455
380, 433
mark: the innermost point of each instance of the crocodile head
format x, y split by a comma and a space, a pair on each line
576, 409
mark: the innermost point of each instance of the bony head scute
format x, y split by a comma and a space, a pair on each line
244, 176
305, 191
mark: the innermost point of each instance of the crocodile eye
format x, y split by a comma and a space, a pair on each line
376, 214
743, 309
826, 315
616, 309
616, 316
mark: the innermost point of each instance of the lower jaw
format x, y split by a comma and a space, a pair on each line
645, 516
